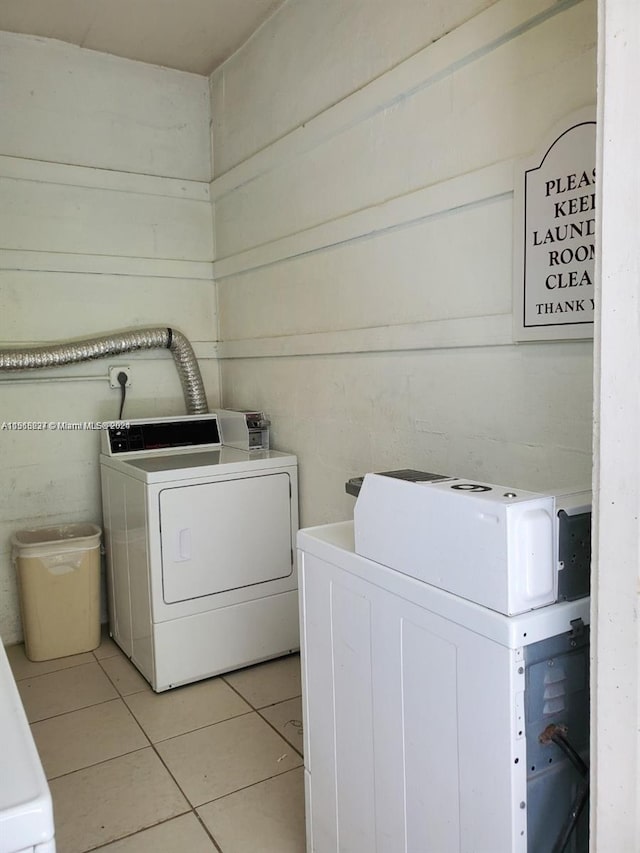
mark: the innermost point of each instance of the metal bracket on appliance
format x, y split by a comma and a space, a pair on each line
577, 627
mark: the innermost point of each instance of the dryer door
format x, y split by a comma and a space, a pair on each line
225, 535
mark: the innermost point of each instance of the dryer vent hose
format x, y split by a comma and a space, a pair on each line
118, 343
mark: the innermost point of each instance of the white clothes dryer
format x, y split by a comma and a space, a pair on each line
200, 542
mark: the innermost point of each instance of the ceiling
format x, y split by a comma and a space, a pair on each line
190, 35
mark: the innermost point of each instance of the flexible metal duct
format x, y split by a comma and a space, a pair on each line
118, 343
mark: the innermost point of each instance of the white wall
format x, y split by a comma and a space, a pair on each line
615, 646
364, 171
105, 224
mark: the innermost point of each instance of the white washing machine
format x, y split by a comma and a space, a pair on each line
26, 811
200, 542
428, 716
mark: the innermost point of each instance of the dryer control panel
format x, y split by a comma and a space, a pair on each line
153, 434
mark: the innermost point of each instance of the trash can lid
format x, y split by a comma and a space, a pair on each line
61, 538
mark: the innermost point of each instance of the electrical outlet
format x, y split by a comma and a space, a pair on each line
113, 376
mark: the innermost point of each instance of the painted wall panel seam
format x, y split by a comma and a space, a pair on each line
467, 43
486, 184
437, 334
47, 172
39, 261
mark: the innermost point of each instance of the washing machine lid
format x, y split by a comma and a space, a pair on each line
26, 813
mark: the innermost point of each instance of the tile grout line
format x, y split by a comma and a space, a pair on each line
152, 745
81, 707
48, 672
84, 708
197, 728
62, 668
135, 719
207, 830
68, 669
187, 800
112, 681
53, 671
73, 710
194, 808
284, 737
252, 785
235, 690
191, 809
133, 834
257, 710
137, 832
96, 764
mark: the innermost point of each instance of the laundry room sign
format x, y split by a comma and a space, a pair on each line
554, 231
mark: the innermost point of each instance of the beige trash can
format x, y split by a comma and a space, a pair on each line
58, 572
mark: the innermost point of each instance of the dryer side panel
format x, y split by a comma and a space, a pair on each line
125, 524
114, 525
225, 535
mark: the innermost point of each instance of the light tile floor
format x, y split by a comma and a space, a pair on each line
212, 766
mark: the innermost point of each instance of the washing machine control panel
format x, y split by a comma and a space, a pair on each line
145, 436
